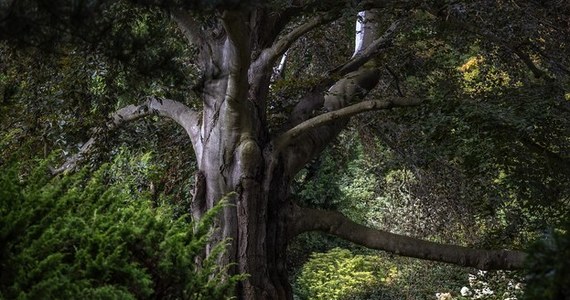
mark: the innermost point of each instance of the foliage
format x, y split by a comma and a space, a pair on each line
101, 236
341, 179
548, 266
317, 186
339, 273
55, 89
479, 158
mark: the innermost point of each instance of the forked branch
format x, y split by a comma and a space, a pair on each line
343, 113
269, 56
370, 52
314, 101
337, 224
174, 110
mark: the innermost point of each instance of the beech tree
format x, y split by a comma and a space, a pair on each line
241, 52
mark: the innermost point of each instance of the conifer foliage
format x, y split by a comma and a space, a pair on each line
90, 236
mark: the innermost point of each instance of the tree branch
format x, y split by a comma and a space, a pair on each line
195, 35
337, 224
314, 100
189, 27
370, 52
352, 86
269, 56
174, 110
238, 33
343, 113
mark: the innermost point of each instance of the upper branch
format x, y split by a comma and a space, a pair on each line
268, 56
337, 224
196, 36
352, 86
343, 113
370, 52
314, 98
238, 33
174, 110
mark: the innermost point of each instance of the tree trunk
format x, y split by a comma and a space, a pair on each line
256, 219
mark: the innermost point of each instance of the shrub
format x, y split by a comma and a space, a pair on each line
339, 274
548, 265
89, 236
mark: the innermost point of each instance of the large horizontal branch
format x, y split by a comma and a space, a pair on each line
174, 110
337, 224
343, 113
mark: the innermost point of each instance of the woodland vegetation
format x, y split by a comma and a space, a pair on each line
276, 150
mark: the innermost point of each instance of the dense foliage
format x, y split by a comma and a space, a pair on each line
549, 267
97, 236
338, 274
359, 275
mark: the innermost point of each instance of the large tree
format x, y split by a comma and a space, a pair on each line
241, 52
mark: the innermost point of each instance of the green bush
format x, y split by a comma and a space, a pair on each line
339, 274
548, 265
90, 236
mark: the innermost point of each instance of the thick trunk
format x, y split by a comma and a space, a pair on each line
255, 221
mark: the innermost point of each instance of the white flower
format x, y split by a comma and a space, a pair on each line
443, 296
487, 291
465, 292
